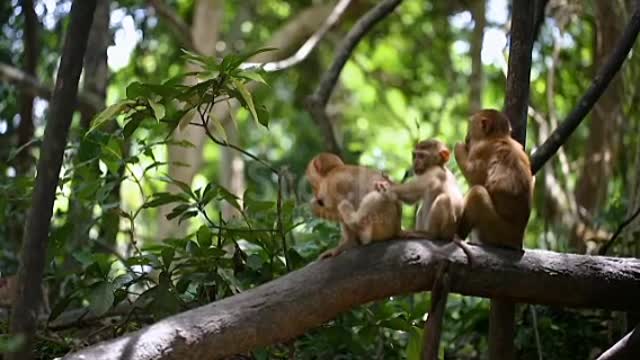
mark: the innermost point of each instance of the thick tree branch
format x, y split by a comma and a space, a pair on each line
602, 79
317, 102
36, 230
31, 85
179, 27
306, 298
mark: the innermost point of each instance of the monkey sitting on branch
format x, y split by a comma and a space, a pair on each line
436, 186
340, 189
498, 204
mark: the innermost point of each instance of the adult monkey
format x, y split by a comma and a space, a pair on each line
498, 205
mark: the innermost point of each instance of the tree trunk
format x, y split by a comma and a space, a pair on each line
606, 123
306, 298
36, 233
207, 19
478, 9
502, 311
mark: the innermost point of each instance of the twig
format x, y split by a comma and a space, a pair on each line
534, 321
317, 102
602, 79
433, 325
204, 117
306, 48
624, 224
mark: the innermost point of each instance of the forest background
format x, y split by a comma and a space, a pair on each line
214, 220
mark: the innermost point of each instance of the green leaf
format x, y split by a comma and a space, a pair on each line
182, 285
187, 215
109, 113
134, 90
167, 256
177, 211
112, 155
263, 115
61, 306
101, 298
246, 96
131, 126
255, 262
163, 198
158, 109
122, 280
414, 345
229, 197
252, 75
204, 236
186, 119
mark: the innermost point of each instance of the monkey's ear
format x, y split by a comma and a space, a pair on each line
485, 124
444, 155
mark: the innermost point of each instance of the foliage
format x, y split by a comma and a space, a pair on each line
387, 100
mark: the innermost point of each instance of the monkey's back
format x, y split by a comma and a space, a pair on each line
353, 183
509, 180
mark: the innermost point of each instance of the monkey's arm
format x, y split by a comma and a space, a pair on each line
409, 192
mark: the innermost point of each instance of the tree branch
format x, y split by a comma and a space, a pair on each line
306, 49
602, 79
317, 102
433, 325
31, 85
306, 298
179, 27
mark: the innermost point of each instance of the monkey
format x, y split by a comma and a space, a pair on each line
436, 186
498, 204
346, 194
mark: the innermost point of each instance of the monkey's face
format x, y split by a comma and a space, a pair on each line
429, 153
323, 205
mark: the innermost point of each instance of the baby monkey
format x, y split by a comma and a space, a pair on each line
436, 186
339, 189
498, 204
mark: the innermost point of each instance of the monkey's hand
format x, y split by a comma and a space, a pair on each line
460, 151
381, 186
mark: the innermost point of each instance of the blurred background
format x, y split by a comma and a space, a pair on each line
418, 74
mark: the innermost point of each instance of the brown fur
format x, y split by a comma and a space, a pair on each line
436, 186
340, 189
498, 204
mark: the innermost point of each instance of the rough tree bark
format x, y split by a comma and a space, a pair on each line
306, 298
605, 126
34, 243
